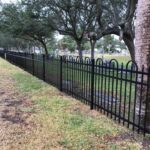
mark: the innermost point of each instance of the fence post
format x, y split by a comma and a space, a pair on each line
33, 63
43, 67
92, 83
61, 59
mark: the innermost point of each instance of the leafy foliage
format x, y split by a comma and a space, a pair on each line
21, 21
110, 44
80, 19
67, 42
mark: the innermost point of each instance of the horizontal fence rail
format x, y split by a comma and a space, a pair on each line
120, 91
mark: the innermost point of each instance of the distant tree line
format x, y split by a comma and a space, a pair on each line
107, 44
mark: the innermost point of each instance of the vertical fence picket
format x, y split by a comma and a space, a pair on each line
25, 61
135, 97
33, 64
72, 76
101, 88
120, 95
92, 83
108, 88
130, 94
125, 96
43, 67
88, 81
98, 87
105, 86
116, 93
61, 62
112, 89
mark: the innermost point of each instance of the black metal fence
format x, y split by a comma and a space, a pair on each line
2, 54
119, 91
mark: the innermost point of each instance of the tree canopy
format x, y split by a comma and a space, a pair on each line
80, 19
21, 22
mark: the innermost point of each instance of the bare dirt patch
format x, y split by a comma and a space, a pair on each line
14, 122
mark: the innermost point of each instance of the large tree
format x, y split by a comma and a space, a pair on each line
142, 45
72, 18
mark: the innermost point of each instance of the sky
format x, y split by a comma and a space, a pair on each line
8, 1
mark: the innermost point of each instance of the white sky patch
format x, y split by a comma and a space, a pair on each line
58, 36
8, 1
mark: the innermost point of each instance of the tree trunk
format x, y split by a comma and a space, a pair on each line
45, 48
129, 41
79, 49
142, 53
92, 48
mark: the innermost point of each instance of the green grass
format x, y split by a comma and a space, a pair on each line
120, 59
26, 83
77, 128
